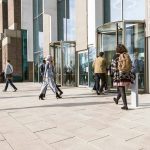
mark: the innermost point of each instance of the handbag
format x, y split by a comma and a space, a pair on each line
9, 76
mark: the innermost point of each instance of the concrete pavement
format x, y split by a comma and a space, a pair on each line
80, 120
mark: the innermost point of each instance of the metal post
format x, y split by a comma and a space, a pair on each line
134, 93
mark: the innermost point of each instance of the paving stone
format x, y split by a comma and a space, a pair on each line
5, 146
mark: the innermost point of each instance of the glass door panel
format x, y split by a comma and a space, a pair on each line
135, 43
58, 63
68, 64
83, 68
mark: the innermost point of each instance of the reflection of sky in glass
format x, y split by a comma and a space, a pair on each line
41, 41
134, 9
70, 22
115, 10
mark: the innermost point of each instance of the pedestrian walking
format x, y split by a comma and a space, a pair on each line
42, 69
100, 72
9, 76
122, 75
49, 79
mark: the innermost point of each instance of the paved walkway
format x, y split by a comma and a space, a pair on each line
79, 121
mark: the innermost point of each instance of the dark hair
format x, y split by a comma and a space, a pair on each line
121, 49
101, 54
44, 60
8, 61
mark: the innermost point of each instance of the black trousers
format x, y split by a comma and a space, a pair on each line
121, 93
9, 81
98, 77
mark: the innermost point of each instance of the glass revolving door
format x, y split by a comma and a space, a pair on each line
129, 33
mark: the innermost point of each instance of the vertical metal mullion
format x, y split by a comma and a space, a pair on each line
116, 34
122, 10
61, 62
66, 17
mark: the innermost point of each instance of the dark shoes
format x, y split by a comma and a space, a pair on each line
61, 93
41, 97
15, 90
115, 100
58, 96
124, 107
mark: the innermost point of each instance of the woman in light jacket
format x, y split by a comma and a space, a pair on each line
49, 79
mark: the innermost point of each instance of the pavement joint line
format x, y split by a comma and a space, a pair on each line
134, 137
134, 127
99, 138
44, 129
63, 139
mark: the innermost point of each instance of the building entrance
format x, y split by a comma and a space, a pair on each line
64, 61
132, 35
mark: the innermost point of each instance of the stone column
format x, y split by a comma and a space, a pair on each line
14, 14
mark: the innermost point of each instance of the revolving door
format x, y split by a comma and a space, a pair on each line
132, 35
64, 61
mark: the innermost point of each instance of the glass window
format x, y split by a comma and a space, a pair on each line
66, 20
134, 9
25, 67
112, 10
116, 10
135, 43
83, 69
37, 7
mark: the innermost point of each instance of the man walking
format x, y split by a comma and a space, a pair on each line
9, 76
100, 72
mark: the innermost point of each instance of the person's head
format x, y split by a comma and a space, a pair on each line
44, 61
136, 54
101, 54
8, 61
121, 49
49, 58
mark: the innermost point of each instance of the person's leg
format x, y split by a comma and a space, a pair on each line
11, 83
43, 90
59, 89
6, 86
97, 79
123, 95
53, 87
103, 79
118, 96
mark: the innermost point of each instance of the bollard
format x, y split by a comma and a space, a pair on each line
134, 93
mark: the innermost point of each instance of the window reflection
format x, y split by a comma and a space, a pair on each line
116, 10
66, 19
134, 10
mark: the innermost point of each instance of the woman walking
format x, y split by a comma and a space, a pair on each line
122, 76
49, 79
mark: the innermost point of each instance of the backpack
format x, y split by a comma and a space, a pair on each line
124, 63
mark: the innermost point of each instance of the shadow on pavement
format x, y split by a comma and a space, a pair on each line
60, 105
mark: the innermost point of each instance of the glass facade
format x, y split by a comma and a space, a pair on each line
66, 20
25, 67
117, 10
37, 36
